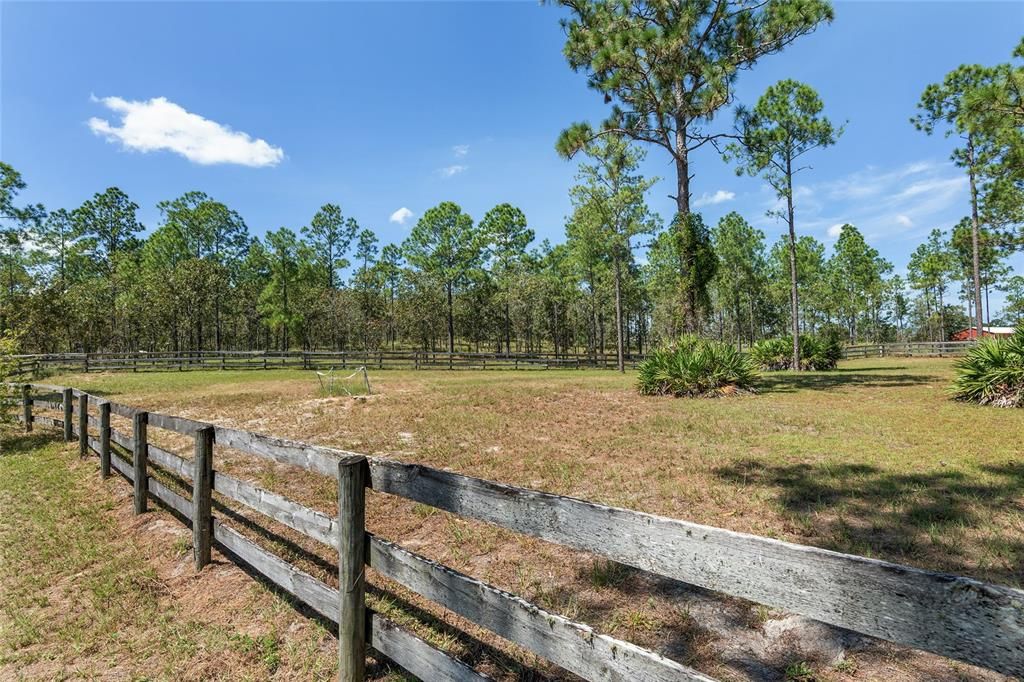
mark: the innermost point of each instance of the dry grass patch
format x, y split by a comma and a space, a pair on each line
871, 459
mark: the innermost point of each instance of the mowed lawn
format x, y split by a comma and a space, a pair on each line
872, 459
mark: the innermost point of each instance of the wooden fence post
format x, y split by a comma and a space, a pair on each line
202, 490
105, 438
66, 398
353, 476
26, 407
139, 456
83, 425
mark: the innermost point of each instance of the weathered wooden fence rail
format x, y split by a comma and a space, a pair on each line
908, 349
386, 359
958, 617
308, 360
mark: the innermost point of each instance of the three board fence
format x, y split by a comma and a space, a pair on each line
26, 365
957, 617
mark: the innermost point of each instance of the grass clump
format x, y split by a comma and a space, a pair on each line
697, 368
819, 353
992, 373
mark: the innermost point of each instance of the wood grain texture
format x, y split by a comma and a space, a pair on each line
140, 453
353, 477
202, 508
416, 655
311, 457
573, 646
122, 467
179, 466
177, 424
311, 523
954, 616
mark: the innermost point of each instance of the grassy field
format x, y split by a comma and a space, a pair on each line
872, 459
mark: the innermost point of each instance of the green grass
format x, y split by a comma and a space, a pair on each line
82, 600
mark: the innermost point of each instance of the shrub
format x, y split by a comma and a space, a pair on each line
772, 355
694, 367
816, 352
992, 372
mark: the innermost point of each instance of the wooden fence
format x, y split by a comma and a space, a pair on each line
307, 360
908, 349
957, 617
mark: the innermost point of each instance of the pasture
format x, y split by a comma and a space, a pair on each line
872, 459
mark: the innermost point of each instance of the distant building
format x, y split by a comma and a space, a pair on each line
971, 333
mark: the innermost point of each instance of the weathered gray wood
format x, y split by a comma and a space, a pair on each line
179, 466
172, 499
312, 523
104, 429
353, 476
122, 467
140, 453
123, 410
48, 421
83, 425
48, 405
308, 589
416, 655
202, 480
178, 424
66, 407
954, 616
125, 441
311, 457
26, 406
574, 646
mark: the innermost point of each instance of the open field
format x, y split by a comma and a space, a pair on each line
871, 459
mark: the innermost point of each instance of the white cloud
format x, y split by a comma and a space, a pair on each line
158, 124
460, 150
401, 215
905, 221
717, 198
449, 171
835, 230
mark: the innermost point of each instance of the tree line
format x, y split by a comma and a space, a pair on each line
624, 279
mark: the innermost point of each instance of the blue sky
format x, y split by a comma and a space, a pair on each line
384, 106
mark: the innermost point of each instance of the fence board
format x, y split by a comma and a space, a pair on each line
122, 467
311, 457
124, 440
172, 499
312, 523
180, 466
178, 424
48, 421
416, 655
573, 646
949, 615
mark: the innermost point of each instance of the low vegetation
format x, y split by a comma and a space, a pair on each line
819, 353
697, 368
992, 373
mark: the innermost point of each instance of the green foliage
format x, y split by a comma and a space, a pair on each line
992, 372
696, 367
699, 262
819, 353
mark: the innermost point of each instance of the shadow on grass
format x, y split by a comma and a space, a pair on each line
791, 382
930, 519
20, 443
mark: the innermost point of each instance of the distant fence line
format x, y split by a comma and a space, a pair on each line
142, 361
958, 617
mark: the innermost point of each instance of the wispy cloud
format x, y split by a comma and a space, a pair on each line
449, 171
835, 230
718, 197
905, 221
400, 216
159, 124
460, 150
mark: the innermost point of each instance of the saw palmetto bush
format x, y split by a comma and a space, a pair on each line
992, 372
820, 353
694, 367
772, 355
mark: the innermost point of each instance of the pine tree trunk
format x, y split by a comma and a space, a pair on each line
794, 297
975, 235
619, 353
